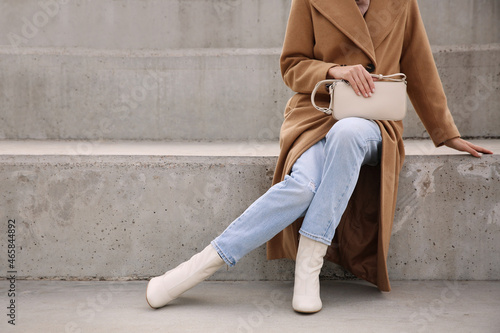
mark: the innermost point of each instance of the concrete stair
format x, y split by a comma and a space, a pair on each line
199, 70
135, 131
196, 94
190, 94
146, 24
125, 210
180, 24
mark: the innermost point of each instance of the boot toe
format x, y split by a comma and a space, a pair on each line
307, 304
155, 294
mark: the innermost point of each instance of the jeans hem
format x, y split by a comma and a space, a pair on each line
315, 238
227, 260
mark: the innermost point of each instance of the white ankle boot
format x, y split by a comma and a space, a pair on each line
308, 265
163, 289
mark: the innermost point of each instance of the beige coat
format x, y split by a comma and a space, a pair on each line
392, 39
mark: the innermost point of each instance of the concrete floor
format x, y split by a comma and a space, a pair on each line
348, 306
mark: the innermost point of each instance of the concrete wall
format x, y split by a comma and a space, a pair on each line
197, 94
148, 24
199, 70
458, 22
208, 70
185, 95
136, 216
170, 24
470, 81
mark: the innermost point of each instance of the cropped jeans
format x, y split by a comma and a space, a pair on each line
318, 188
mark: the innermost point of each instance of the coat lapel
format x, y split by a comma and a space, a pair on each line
382, 16
368, 32
345, 15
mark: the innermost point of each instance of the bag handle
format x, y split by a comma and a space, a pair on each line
331, 83
331, 86
390, 77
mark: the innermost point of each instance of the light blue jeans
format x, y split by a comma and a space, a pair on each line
318, 188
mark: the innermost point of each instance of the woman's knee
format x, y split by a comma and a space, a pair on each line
353, 129
301, 187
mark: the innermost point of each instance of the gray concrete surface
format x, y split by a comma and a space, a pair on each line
171, 95
451, 22
146, 24
189, 148
244, 307
470, 81
170, 24
223, 94
136, 215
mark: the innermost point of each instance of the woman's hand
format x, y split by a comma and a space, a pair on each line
462, 145
357, 76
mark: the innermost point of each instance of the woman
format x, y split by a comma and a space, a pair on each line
336, 179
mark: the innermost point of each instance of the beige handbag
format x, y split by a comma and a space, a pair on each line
387, 103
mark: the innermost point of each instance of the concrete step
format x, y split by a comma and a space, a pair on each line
171, 24
196, 94
228, 94
461, 22
145, 24
109, 210
245, 307
470, 79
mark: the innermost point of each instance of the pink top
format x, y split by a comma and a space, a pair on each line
363, 5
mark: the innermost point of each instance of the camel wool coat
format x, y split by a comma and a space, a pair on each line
389, 39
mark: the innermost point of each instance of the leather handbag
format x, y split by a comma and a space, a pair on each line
388, 102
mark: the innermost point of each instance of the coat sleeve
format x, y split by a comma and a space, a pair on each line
299, 68
424, 85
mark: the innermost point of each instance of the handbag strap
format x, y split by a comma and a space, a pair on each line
331, 86
391, 77
331, 83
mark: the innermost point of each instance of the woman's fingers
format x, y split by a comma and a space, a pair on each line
466, 146
370, 81
479, 148
361, 81
367, 82
357, 76
356, 85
